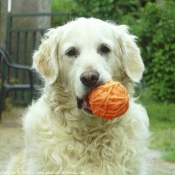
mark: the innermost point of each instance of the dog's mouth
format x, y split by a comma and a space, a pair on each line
84, 104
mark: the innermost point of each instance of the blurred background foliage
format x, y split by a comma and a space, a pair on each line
154, 24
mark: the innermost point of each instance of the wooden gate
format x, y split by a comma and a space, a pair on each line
22, 41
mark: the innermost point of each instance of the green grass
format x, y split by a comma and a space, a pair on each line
162, 125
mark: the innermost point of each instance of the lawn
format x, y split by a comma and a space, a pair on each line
162, 125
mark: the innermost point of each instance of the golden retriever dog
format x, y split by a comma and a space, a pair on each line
61, 133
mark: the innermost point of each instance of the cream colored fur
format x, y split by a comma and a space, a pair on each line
59, 137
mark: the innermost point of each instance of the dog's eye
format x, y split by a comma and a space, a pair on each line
71, 52
104, 49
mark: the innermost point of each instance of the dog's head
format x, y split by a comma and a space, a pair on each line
86, 53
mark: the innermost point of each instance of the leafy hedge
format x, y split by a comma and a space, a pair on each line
60, 6
159, 54
104, 9
156, 31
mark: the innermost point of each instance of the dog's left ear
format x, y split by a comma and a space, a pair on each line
129, 53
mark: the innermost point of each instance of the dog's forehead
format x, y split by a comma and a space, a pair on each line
87, 29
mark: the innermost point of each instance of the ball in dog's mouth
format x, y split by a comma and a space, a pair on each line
84, 104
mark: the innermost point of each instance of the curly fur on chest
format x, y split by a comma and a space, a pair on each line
63, 140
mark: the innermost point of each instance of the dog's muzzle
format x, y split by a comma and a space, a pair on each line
90, 80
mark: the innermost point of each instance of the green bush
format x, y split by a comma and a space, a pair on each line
60, 6
157, 39
105, 9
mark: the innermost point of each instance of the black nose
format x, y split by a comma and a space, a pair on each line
89, 78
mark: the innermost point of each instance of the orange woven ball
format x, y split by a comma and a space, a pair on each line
110, 100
